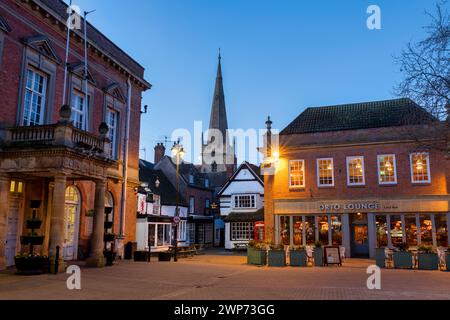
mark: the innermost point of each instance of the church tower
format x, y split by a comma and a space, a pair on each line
218, 154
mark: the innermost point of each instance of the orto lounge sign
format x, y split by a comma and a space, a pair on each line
351, 206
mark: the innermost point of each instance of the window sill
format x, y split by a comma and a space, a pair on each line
326, 187
420, 184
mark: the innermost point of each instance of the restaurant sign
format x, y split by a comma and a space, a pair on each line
351, 206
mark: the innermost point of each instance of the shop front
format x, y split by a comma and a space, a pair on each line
361, 226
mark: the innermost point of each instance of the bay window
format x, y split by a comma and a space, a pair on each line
420, 167
387, 169
297, 173
35, 98
325, 172
355, 171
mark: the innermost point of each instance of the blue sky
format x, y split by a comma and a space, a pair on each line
278, 56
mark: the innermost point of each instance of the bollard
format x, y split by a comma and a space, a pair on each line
57, 260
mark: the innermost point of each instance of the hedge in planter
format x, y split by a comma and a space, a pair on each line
256, 254
428, 260
298, 257
403, 258
318, 255
380, 257
277, 256
31, 264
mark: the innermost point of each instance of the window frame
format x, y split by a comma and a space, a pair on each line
394, 163
85, 112
238, 197
111, 110
320, 185
191, 204
249, 230
290, 174
348, 161
43, 95
428, 167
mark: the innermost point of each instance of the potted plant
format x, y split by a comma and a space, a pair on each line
165, 256
380, 257
109, 237
256, 253
402, 257
298, 256
31, 264
428, 259
277, 256
34, 223
318, 254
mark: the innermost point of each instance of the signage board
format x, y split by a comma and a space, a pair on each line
332, 256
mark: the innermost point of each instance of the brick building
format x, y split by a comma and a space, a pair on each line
360, 176
58, 155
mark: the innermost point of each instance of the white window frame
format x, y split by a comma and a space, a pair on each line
42, 94
238, 198
349, 160
112, 128
84, 113
318, 172
191, 205
302, 186
394, 164
247, 228
428, 167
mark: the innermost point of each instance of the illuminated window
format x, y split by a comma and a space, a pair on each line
325, 172
387, 169
12, 187
355, 171
297, 173
420, 168
16, 187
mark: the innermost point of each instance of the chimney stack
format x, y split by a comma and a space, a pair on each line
160, 152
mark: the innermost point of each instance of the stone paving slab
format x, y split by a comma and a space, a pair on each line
227, 277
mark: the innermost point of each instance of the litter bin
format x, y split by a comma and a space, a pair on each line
130, 247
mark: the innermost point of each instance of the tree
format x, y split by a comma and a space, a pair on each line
426, 66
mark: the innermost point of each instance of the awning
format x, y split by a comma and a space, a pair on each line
245, 216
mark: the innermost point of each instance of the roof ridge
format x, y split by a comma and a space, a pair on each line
386, 102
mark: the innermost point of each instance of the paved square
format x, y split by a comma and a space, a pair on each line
225, 276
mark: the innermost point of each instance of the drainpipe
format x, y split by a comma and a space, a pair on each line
125, 162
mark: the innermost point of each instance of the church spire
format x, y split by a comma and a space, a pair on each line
218, 111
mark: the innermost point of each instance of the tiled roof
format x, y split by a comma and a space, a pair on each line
245, 216
376, 114
99, 39
166, 190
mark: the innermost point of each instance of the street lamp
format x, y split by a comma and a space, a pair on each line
178, 154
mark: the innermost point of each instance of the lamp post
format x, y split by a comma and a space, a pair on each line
178, 154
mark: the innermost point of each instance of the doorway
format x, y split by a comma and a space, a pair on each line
15, 208
359, 236
71, 223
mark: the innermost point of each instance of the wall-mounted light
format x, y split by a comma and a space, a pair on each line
145, 109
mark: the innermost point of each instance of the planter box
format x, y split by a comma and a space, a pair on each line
403, 260
256, 257
447, 262
165, 256
298, 258
276, 258
140, 256
34, 240
318, 257
31, 265
380, 257
34, 224
428, 261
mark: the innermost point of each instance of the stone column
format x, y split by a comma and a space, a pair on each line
346, 234
5, 183
57, 223
96, 259
372, 234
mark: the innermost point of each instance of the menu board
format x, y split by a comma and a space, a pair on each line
332, 256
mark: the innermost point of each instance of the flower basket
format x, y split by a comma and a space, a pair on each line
109, 237
256, 257
403, 260
428, 261
380, 257
298, 258
276, 258
34, 224
33, 240
31, 265
108, 224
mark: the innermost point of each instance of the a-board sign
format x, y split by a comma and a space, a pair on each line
332, 256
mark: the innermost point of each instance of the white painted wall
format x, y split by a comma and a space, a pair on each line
142, 234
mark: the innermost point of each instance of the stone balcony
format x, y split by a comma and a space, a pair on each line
59, 146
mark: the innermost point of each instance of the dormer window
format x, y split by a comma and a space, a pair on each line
191, 179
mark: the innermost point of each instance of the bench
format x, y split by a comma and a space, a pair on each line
185, 251
240, 246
